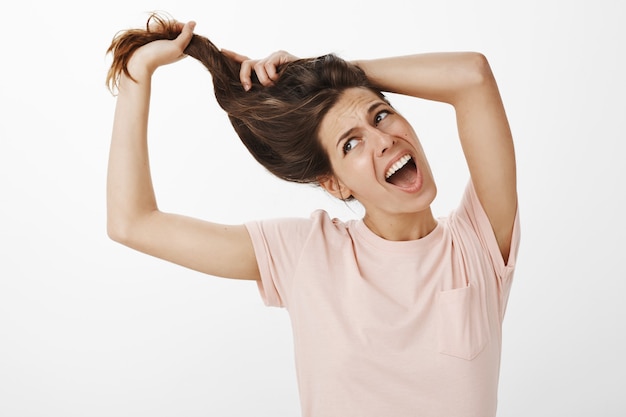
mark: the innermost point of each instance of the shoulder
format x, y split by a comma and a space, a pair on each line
297, 229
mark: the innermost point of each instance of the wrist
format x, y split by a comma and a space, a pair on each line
139, 70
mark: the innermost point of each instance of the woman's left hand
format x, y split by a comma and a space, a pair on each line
266, 69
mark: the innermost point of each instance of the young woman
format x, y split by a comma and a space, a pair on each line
395, 314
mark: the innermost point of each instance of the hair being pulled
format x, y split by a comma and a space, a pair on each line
278, 124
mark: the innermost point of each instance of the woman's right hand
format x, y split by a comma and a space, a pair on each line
266, 69
149, 57
133, 216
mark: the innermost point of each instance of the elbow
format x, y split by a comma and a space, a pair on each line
477, 69
118, 231
121, 228
126, 229
472, 76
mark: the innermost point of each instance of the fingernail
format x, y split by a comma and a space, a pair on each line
246, 86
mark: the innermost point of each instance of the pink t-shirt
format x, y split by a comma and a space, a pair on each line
387, 328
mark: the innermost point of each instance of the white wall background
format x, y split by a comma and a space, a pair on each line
89, 328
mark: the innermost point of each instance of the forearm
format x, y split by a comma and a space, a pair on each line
130, 192
443, 77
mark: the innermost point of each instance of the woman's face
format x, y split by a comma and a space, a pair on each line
375, 156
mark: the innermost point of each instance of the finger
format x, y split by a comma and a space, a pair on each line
185, 35
245, 74
271, 64
274, 62
234, 55
270, 70
262, 74
179, 26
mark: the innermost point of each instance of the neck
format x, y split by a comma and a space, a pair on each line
401, 227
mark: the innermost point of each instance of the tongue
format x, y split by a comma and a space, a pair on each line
405, 176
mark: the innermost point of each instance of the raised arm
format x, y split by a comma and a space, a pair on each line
133, 217
465, 81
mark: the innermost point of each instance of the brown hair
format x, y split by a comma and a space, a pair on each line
279, 123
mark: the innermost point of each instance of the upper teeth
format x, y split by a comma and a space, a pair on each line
399, 164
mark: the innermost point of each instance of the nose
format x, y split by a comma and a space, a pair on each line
382, 142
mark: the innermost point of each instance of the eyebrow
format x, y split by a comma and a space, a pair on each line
370, 109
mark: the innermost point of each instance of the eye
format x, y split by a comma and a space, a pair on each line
380, 116
350, 144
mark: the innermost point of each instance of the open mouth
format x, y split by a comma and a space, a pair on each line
403, 173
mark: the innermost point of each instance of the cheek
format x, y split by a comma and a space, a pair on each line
343, 169
359, 173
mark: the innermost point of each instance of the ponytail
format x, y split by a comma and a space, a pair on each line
224, 70
278, 124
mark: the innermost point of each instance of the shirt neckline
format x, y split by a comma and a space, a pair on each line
380, 243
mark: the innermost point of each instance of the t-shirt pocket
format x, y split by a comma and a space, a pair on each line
463, 328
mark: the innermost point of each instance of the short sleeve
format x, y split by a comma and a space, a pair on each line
278, 244
472, 211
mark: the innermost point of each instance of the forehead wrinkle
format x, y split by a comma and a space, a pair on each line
349, 108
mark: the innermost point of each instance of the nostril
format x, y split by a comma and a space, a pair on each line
384, 142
